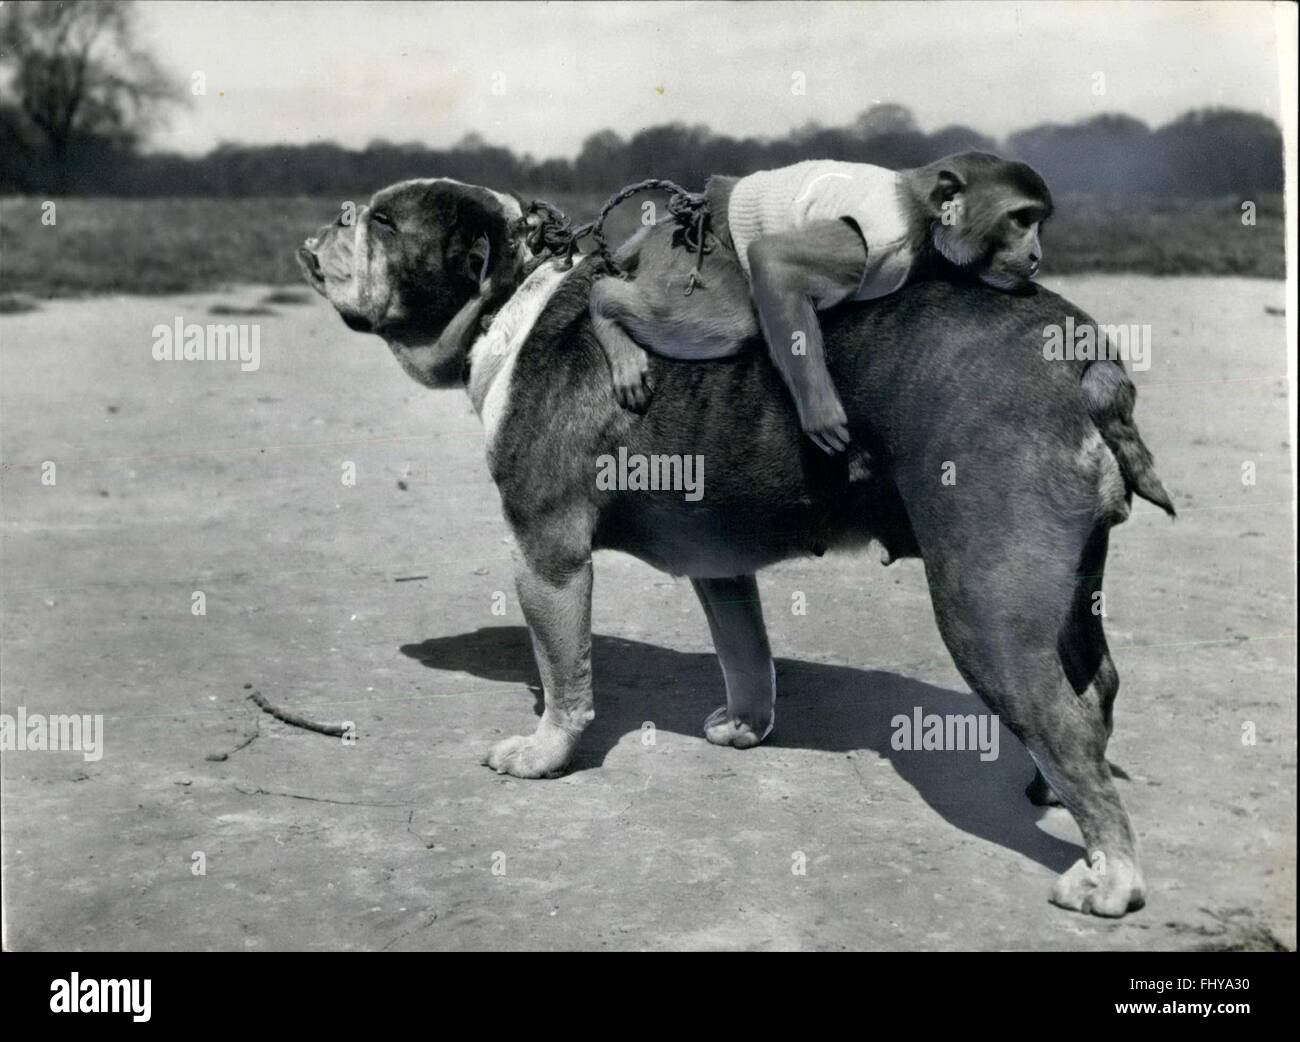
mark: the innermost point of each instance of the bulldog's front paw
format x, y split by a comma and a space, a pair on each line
543, 754
1108, 886
721, 728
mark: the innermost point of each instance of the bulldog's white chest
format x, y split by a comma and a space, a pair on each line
492, 358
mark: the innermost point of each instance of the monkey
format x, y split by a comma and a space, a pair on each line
808, 237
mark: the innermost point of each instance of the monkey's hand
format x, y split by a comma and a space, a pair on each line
632, 386
823, 419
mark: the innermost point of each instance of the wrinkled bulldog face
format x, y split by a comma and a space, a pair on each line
403, 266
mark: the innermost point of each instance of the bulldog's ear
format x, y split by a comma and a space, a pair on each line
477, 241
477, 260
469, 255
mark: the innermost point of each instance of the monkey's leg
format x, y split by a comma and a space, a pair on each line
612, 301
792, 275
740, 639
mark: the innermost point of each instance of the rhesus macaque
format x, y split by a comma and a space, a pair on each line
811, 236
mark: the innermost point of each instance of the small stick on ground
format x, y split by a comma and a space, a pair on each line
248, 740
337, 730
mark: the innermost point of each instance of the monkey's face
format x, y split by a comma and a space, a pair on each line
989, 213
1016, 250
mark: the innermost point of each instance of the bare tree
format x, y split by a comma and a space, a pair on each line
78, 72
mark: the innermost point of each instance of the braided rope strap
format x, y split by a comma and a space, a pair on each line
550, 234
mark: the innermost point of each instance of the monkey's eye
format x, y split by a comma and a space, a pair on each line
383, 219
1026, 216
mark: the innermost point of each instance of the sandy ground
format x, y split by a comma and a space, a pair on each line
181, 477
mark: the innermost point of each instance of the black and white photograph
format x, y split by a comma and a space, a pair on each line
652, 477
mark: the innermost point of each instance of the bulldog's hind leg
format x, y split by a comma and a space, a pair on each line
1085, 656
556, 601
1021, 660
1071, 758
736, 622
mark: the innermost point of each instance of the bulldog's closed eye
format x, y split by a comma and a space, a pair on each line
382, 218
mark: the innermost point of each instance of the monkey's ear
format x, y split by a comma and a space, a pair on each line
948, 184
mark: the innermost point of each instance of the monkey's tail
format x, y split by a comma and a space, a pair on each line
1110, 395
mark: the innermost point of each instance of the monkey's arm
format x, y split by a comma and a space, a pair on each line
793, 275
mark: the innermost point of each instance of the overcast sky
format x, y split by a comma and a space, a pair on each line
541, 77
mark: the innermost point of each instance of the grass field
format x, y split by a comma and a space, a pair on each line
102, 246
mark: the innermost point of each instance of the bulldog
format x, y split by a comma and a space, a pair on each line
1002, 469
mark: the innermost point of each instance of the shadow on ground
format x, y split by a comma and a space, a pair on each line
823, 707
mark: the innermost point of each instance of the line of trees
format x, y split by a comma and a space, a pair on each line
85, 96
1203, 154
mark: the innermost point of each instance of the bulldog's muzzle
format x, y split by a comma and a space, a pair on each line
309, 264
327, 261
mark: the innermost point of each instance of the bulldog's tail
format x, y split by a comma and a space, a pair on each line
1110, 395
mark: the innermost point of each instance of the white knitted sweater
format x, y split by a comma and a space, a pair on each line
872, 197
